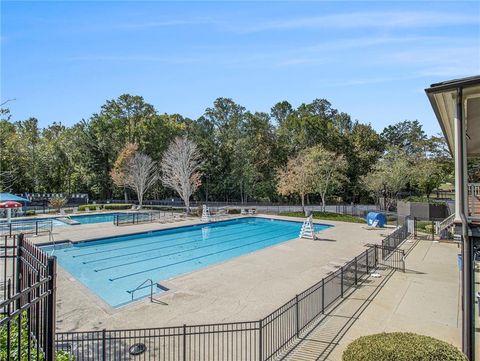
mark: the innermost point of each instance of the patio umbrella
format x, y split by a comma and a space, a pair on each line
8, 205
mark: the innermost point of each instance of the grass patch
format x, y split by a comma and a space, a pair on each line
329, 216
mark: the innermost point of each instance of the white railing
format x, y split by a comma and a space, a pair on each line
474, 189
474, 199
445, 224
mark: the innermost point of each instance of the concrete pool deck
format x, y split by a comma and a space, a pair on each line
244, 288
425, 300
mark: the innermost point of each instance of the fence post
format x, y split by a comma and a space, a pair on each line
356, 271
184, 342
376, 255
296, 315
366, 259
18, 276
104, 345
260, 340
36, 228
51, 305
323, 295
341, 282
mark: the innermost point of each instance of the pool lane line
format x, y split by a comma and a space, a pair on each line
163, 247
111, 241
190, 259
182, 234
173, 253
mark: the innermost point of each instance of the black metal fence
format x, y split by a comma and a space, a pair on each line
133, 218
261, 340
25, 227
27, 307
394, 239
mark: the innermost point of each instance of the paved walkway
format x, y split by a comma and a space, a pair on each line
244, 288
425, 299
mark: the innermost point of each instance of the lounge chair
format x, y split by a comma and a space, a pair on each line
87, 209
62, 211
97, 208
75, 210
252, 211
243, 212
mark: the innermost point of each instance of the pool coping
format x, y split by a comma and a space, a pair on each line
42, 244
167, 281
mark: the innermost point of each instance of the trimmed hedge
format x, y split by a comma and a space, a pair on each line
117, 206
110, 206
92, 207
328, 216
401, 346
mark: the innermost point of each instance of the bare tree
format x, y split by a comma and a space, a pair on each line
180, 168
141, 174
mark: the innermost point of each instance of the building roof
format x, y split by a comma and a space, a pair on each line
11, 197
443, 98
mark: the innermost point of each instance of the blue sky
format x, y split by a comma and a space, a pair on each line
62, 60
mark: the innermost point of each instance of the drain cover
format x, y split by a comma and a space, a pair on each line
137, 349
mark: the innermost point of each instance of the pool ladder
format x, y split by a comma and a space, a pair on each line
151, 285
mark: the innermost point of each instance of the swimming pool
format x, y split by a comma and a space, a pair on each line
94, 218
112, 267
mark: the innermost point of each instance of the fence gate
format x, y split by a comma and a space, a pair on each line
27, 301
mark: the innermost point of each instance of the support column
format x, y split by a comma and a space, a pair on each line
461, 211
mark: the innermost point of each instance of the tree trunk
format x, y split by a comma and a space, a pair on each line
187, 204
303, 202
125, 195
323, 202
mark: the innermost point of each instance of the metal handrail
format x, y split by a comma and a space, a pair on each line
148, 280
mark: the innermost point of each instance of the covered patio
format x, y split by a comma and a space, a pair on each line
456, 104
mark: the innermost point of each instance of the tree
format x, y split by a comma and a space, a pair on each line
428, 175
141, 174
389, 176
328, 171
295, 178
407, 135
120, 167
57, 202
180, 168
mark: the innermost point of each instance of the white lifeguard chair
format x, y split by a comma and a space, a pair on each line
205, 214
307, 230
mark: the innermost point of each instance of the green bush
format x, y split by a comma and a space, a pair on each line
234, 211
401, 346
92, 207
117, 206
24, 352
329, 216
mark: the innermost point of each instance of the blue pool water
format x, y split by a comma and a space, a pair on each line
111, 267
94, 218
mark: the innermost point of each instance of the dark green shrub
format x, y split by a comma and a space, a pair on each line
92, 207
234, 211
117, 206
24, 352
401, 346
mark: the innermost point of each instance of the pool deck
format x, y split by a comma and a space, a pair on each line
242, 289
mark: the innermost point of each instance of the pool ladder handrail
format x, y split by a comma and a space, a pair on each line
148, 280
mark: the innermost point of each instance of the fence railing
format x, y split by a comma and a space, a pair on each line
27, 306
25, 227
133, 218
262, 340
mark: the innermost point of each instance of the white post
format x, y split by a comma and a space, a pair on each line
9, 215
